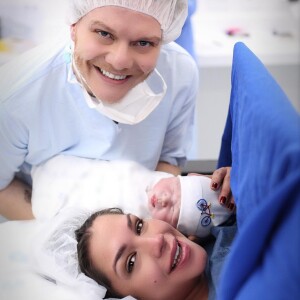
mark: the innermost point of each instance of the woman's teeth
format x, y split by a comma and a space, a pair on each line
112, 76
177, 257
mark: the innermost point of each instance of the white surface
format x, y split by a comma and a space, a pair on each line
17, 278
259, 19
214, 48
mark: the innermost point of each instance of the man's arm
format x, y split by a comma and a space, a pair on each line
15, 201
168, 168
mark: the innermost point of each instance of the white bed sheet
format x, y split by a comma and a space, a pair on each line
18, 280
18, 276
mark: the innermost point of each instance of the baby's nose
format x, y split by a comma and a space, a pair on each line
163, 199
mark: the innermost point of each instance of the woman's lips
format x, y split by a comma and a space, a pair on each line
181, 258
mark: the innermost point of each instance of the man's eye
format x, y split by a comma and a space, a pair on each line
130, 263
139, 226
104, 34
144, 44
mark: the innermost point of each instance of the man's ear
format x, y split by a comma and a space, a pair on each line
73, 31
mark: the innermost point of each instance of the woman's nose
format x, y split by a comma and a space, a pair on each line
119, 56
153, 245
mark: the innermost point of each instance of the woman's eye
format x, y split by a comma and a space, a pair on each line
130, 263
139, 226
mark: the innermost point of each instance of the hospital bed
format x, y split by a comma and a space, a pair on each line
262, 142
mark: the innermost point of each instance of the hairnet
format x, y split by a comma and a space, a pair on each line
55, 254
170, 14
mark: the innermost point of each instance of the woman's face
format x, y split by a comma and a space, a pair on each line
115, 49
146, 259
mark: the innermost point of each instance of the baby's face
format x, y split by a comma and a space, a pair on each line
164, 200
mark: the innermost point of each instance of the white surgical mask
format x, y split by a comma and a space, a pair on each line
136, 105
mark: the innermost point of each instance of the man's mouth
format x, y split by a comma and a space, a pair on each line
111, 75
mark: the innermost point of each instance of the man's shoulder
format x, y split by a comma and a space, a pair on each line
175, 63
174, 55
174, 49
28, 68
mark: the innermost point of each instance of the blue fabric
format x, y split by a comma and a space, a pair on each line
186, 38
225, 151
264, 262
217, 253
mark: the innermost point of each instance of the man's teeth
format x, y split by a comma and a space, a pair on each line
112, 76
177, 257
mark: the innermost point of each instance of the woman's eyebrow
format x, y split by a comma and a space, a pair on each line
123, 247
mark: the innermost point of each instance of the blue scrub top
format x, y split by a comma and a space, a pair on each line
42, 114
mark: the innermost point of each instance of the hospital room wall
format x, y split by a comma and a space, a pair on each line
270, 28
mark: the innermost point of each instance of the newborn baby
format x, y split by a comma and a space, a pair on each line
187, 202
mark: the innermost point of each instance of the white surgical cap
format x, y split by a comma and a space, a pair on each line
55, 254
170, 14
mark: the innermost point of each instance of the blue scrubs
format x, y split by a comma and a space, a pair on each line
42, 114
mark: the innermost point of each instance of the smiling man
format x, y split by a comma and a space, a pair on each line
110, 91
111, 59
119, 88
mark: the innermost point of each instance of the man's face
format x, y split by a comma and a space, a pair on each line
115, 49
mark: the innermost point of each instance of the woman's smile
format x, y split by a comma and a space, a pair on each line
142, 251
181, 257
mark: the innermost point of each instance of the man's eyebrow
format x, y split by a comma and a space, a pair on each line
104, 26
123, 247
110, 30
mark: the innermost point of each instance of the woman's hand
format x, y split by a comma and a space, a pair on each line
220, 180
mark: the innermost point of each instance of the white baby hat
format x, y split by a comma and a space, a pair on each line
200, 208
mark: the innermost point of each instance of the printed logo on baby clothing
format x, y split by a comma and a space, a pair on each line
205, 210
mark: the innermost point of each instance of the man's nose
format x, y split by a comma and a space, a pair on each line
120, 56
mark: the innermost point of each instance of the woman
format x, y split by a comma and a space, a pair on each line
147, 259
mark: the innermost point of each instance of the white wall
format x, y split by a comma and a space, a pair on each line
279, 52
33, 20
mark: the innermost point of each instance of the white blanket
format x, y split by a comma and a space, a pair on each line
18, 279
19, 274
67, 181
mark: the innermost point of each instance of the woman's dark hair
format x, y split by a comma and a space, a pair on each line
83, 235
